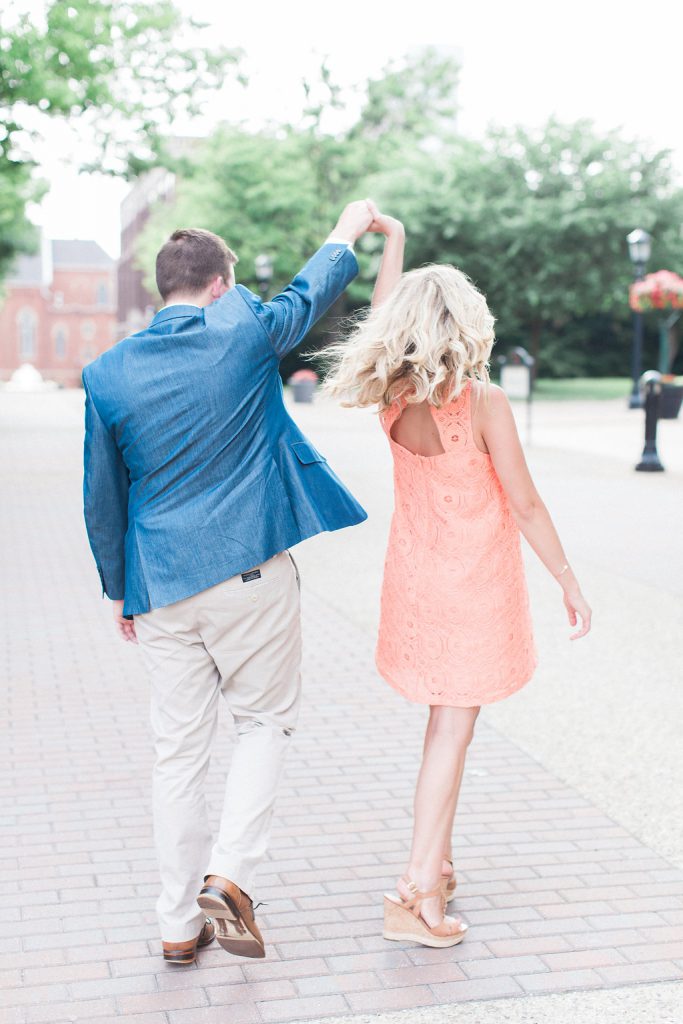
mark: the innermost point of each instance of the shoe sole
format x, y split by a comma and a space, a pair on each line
179, 958
188, 956
232, 931
435, 941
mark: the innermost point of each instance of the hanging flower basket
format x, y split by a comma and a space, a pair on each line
662, 290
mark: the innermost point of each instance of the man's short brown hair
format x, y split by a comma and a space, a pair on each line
190, 259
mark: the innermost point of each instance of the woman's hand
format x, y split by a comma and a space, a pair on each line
577, 608
354, 221
382, 223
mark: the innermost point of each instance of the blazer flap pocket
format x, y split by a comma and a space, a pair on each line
306, 453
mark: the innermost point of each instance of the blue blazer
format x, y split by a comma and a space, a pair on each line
193, 469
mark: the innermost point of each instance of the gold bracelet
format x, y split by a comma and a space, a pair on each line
563, 569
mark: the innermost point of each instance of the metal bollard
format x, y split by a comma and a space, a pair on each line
651, 384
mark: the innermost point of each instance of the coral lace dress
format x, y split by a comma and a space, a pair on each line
455, 626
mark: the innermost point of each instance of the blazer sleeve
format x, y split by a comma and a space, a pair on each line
289, 316
105, 500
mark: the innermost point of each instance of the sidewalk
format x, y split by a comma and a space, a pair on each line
562, 893
603, 428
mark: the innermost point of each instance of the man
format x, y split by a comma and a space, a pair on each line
196, 484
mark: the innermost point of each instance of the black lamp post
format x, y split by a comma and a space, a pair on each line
639, 246
263, 268
651, 384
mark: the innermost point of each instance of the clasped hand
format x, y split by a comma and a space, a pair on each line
364, 215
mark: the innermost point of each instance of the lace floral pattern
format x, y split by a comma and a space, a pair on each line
455, 625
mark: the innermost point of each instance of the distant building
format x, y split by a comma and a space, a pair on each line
136, 305
58, 310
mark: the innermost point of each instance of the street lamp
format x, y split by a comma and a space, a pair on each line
639, 246
263, 268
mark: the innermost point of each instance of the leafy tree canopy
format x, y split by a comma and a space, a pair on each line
117, 66
538, 218
280, 190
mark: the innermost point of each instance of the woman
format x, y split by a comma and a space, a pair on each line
455, 629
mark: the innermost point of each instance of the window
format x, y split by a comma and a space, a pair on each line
60, 336
87, 330
27, 324
102, 293
59, 299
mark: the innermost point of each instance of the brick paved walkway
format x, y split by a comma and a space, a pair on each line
558, 897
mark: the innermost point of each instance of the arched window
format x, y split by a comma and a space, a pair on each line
60, 336
102, 293
27, 323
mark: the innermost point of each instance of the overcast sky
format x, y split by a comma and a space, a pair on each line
616, 61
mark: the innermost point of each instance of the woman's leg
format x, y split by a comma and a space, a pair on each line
457, 783
448, 736
448, 851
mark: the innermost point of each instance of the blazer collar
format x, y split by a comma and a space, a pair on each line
177, 311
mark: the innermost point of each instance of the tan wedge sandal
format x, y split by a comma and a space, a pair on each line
403, 921
449, 884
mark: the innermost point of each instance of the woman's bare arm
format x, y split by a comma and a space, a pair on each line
498, 429
391, 266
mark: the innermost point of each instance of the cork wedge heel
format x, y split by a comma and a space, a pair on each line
403, 921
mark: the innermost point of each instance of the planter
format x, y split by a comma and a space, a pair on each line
670, 401
303, 390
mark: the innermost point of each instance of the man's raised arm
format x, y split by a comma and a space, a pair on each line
289, 316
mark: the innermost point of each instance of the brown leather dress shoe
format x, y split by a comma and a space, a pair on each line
186, 952
233, 912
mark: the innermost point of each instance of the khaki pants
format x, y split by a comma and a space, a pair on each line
240, 640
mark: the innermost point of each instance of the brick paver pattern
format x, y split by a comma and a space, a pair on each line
557, 895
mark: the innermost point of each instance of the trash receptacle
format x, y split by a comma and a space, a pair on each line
671, 400
303, 384
517, 380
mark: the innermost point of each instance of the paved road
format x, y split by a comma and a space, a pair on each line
567, 848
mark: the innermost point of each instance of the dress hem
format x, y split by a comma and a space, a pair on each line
450, 703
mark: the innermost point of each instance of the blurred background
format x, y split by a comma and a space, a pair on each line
522, 146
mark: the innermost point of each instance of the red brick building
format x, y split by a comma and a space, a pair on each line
58, 310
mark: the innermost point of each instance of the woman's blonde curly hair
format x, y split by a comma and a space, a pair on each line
433, 332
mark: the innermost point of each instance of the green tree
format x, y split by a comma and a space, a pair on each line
539, 219
280, 190
255, 190
259, 192
410, 105
412, 101
117, 66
